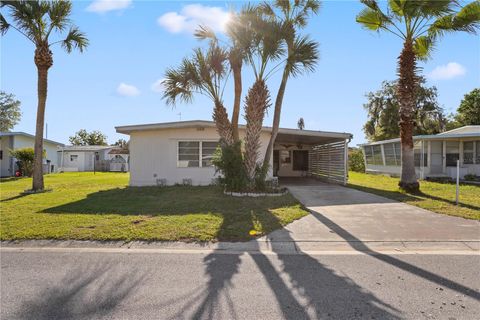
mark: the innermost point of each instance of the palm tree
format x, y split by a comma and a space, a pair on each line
205, 73
420, 24
302, 53
266, 47
38, 21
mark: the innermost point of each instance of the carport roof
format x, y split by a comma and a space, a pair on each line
284, 134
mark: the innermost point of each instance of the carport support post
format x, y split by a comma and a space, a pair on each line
345, 163
458, 182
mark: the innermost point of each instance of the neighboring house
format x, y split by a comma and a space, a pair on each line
119, 159
18, 140
435, 155
181, 152
91, 158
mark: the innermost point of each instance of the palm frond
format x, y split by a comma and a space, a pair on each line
4, 25
59, 13
204, 32
467, 20
75, 40
304, 56
424, 46
373, 19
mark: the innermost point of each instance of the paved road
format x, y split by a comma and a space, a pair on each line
70, 284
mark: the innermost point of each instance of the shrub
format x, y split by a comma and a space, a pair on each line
355, 160
228, 161
25, 158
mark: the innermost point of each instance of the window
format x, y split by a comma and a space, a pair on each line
188, 154
477, 158
300, 160
417, 154
208, 149
195, 153
1, 154
373, 155
390, 156
453, 153
377, 155
368, 154
73, 157
468, 152
398, 153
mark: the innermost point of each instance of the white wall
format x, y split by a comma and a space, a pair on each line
153, 155
5, 163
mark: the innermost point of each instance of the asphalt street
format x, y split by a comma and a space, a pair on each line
68, 284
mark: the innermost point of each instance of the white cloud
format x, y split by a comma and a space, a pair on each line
102, 6
158, 86
448, 71
193, 15
127, 90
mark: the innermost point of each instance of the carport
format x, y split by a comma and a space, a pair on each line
307, 153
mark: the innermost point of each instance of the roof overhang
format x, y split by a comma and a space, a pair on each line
284, 134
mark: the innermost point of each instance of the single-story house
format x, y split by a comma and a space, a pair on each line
92, 158
181, 152
435, 155
119, 159
18, 140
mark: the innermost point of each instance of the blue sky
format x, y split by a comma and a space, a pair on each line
112, 83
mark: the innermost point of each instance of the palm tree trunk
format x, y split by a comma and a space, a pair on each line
276, 119
224, 127
237, 80
406, 95
37, 184
256, 104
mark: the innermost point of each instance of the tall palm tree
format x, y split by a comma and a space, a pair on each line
419, 24
266, 47
236, 46
39, 21
301, 54
205, 73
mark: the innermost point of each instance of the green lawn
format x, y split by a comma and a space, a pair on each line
101, 207
436, 197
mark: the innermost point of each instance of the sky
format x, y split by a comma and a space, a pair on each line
117, 80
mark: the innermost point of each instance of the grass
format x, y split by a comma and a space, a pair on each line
434, 196
84, 206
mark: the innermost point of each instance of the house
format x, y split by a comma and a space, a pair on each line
92, 158
18, 140
119, 159
435, 155
181, 152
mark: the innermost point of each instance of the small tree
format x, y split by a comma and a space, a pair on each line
121, 143
355, 160
468, 112
84, 138
301, 124
25, 157
9, 111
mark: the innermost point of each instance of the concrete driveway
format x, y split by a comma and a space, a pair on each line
341, 215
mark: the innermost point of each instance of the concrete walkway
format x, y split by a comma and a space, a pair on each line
343, 216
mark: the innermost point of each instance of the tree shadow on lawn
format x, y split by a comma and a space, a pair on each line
403, 197
85, 292
236, 213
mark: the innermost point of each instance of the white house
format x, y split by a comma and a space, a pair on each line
180, 152
92, 158
435, 155
18, 140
